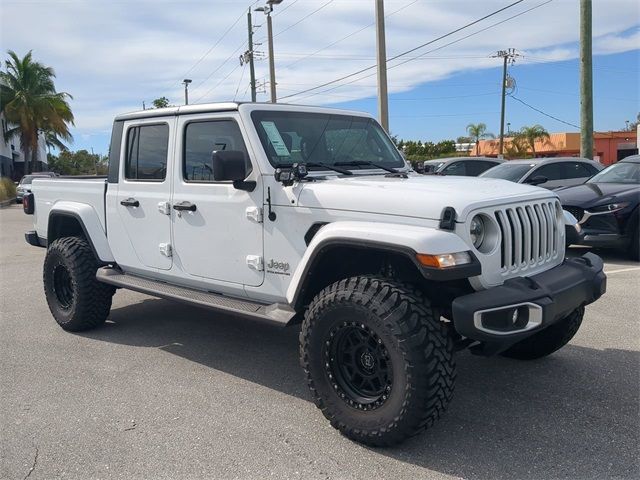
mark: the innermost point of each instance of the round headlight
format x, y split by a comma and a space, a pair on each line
476, 231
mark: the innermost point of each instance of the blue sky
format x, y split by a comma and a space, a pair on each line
112, 56
442, 109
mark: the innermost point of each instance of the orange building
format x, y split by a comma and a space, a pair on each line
609, 147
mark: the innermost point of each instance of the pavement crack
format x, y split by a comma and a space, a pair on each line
33, 466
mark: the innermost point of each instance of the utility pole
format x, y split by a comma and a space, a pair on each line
509, 57
186, 83
381, 47
586, 82
249, 58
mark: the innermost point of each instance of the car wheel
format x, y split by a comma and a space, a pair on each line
379, 363
76, 299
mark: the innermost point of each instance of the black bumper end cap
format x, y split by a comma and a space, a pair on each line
32, 239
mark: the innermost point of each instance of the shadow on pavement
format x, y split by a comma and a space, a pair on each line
573, 414
609, 255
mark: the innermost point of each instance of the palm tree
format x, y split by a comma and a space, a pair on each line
478, 131
31, 104
529, 135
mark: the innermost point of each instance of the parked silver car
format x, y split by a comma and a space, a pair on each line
460, 166
24, 186
550, 173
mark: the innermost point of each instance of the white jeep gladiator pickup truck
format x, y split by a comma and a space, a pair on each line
289, 214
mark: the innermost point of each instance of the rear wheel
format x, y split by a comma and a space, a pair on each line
549, 340
379, 362
76, 299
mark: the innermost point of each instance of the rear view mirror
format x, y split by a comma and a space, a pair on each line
537, 180
231, 165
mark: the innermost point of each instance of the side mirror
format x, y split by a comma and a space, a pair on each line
537, 180
231, 165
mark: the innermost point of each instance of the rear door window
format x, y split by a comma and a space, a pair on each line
147, 151
455, 168
579, 170
553, 171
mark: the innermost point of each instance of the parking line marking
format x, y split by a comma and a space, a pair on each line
622, 270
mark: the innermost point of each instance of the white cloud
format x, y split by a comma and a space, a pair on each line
113, 55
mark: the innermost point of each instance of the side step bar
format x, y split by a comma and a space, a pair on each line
275, 314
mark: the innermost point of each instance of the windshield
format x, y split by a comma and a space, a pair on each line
618, 173
508, 171
432, 167
320, 138
27, 180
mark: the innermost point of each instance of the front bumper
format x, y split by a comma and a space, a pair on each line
502, 316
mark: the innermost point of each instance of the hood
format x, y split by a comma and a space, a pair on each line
421, 196
589, 194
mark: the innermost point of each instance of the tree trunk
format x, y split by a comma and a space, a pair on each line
477, 147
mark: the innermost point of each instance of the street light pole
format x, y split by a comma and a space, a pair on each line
381, 47
272, 62
186, 83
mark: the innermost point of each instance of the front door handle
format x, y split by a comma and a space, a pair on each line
185, 206
130, 202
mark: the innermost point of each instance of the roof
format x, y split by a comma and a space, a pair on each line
631, 159
540, 161
452, 159
163, 112
227, 107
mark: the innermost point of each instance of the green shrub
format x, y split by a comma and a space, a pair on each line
7, 189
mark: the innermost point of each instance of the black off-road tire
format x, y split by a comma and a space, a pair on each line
413, 345
548, 340
76, 299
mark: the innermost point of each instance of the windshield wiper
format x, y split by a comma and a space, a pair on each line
361, 163
343, 171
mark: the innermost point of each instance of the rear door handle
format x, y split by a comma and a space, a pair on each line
130, 202
185, 206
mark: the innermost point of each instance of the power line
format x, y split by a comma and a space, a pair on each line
430, 51
348, 36
304, 18
239, 81
280, 12
544, 113
218, 84
233, 54
412, 49
226, 32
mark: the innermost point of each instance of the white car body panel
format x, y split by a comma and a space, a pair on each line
221, 246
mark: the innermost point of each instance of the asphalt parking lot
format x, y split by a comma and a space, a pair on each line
169, 391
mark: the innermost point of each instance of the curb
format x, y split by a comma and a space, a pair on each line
8, 203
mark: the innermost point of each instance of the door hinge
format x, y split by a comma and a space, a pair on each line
164, 208
165, 249
255, 262
254, 214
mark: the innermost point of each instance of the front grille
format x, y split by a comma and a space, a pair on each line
575, 211
530, 234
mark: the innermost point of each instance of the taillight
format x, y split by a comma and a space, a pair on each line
28, 204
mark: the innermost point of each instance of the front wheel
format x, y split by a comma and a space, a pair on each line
548, 340
379, 363
76, 299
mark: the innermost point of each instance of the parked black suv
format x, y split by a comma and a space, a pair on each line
606, 206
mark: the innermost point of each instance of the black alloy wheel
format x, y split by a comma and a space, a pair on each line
359, 365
